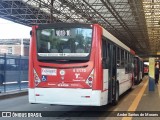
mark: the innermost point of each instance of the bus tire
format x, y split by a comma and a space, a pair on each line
116, 96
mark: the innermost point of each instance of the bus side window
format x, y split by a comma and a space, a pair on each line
122, 59
118, 58
104, 54
126, 62
131, 63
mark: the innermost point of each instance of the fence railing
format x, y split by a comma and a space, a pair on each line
13, 72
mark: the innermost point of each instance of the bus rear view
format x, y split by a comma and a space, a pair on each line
61, 66
78, 64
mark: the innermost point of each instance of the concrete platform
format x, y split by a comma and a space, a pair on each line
150, 104
138, 100
150, 100
145, 102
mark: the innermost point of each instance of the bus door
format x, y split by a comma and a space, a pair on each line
112, 71
135, 70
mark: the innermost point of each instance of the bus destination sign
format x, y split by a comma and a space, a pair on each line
62, 32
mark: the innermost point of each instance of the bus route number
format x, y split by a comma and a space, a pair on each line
62, 33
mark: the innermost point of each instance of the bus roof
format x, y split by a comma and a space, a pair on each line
115, 40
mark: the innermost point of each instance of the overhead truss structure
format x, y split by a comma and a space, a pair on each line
152, 16
125, 19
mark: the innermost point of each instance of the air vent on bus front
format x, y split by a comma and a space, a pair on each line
64, 67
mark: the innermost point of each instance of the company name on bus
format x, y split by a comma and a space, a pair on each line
46, 71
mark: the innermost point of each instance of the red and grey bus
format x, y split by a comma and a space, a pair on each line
78, 64
146, 69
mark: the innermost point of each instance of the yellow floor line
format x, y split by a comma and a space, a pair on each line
136, 101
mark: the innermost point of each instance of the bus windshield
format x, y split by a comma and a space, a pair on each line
64, 43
